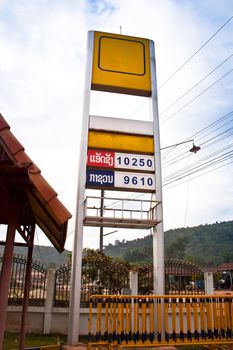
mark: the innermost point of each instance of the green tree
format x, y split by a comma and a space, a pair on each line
177, 248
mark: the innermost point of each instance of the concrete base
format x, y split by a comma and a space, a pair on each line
75, 347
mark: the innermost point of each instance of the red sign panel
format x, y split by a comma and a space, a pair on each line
104, 159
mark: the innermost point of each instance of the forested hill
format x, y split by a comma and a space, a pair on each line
47, 256
205, 245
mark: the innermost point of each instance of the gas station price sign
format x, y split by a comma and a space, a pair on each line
116, 180
127, 161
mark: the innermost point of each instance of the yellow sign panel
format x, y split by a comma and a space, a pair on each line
121, 64
121, 142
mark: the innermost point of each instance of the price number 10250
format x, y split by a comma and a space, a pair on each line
134, 161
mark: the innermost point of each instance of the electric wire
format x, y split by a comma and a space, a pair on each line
184, 155
211, 132
200, 164
221, 133
194, 54
197, 96
188, 91
117, 203
201, 168
187, 200
205, 129
199, 161
225, 116
197, 176
195, 85
211, 159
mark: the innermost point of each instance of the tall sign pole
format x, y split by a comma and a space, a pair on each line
118, 154
76, 271
158, 233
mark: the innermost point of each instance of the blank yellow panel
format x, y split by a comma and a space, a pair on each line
121, 64
132, 51
121, 142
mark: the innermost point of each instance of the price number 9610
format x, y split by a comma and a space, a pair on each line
139, 181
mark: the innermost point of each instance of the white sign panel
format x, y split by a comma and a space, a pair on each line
134, 161
135, 181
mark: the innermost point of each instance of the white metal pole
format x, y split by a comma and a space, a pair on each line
158, 234
76, 271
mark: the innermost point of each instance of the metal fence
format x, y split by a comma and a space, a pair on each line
37, 294
62, 286
100, 274
181, 277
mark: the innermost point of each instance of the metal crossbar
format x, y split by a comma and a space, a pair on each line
129, 321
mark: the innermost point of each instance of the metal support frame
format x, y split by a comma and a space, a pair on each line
76, 271
5, 277
101, 227
30, 238
27, 232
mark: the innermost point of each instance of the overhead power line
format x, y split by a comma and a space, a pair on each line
217, 138
195, 53
193, 99
195, 85
202, 131
199, 164
194, 177
205, 165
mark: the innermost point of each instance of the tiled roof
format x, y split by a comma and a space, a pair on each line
225, 267
38, 201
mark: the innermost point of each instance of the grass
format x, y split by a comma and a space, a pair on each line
11, 340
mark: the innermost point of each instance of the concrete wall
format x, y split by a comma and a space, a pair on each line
36, 321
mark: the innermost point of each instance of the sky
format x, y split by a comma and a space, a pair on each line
42, 70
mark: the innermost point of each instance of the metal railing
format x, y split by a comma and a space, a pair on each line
181, 277
37, 294
103, 210
157, 320
62, 286
100, 274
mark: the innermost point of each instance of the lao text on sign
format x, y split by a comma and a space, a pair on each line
129, 161
116, 180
